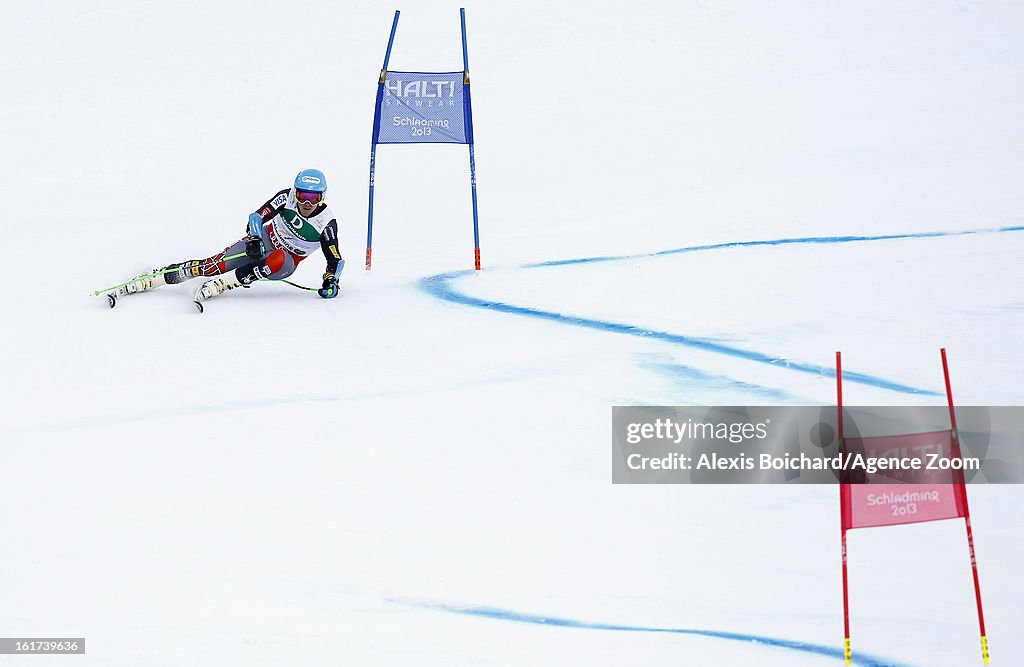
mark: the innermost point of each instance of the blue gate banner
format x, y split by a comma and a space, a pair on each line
422, 108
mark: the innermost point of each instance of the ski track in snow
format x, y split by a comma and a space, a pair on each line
441, 286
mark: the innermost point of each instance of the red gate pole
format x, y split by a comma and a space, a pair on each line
967, 515
847, 652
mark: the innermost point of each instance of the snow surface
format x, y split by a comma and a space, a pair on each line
418, 472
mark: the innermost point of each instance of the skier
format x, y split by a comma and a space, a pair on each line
282, 233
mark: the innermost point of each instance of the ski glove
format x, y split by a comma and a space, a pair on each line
330, 287
254, 242
254, 247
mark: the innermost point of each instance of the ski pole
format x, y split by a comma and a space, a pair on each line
288, 282
308, 289
154, 274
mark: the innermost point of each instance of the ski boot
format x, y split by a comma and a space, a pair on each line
216, 287
140, 283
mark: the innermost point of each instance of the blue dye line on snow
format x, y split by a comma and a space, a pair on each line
440, 286
517, 617
777, 242
714, 382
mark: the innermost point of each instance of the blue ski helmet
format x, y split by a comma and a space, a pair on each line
311, 180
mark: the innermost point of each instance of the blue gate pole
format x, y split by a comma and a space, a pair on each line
373, 140
469, 139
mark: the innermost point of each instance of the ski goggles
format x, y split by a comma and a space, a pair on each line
309, 196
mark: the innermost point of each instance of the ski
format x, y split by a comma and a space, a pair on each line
114, 298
